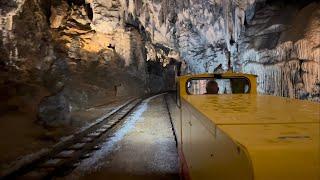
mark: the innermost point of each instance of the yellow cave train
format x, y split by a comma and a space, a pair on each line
235, 133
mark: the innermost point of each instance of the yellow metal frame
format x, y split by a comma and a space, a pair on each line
251, 78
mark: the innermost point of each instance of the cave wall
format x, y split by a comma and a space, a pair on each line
78, 53
53, 62
24, 41
281, 45
200, 30
276, 40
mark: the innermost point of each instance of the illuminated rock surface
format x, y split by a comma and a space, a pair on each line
66, 56
86, 50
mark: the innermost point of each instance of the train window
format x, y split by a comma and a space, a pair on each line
237, 85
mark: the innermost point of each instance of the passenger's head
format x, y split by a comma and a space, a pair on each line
212, 87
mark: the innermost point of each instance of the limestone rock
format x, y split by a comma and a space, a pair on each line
54, 110
284, 52
58, 14
96, 45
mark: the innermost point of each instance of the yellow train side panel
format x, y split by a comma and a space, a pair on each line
280, 151
249, 136
279, 136
209, 152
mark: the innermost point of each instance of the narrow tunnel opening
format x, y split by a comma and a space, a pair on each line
46, 8
232, 41
284, 3
89, 11
86, 6
245, 21
66, 74
76, 2
177, 65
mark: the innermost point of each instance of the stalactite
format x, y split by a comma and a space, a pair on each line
283, 79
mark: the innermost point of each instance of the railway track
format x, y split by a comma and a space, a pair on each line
65, 156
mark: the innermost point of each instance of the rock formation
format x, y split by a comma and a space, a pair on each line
281, 45
51, 47
83, 52
277, 40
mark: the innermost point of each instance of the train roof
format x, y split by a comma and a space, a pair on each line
281, 135
255, 109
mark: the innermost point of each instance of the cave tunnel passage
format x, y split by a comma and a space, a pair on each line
76, 2
127, 89
87, 6
300, 3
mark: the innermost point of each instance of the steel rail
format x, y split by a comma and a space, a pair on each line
63, 157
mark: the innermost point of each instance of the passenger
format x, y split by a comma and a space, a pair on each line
212, 87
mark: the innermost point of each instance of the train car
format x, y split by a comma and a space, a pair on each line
237, 134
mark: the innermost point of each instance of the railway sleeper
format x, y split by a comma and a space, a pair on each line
96, 147
85, 156
106, 126
37, 173
101, 130
67, 156
77, 146
94, 134
51, 163
87, 139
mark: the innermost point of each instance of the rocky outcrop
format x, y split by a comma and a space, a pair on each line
54, 111
281, 45
102, 65
94, 50
201, 31
26, 54
52, 45
58, 14
266, 38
